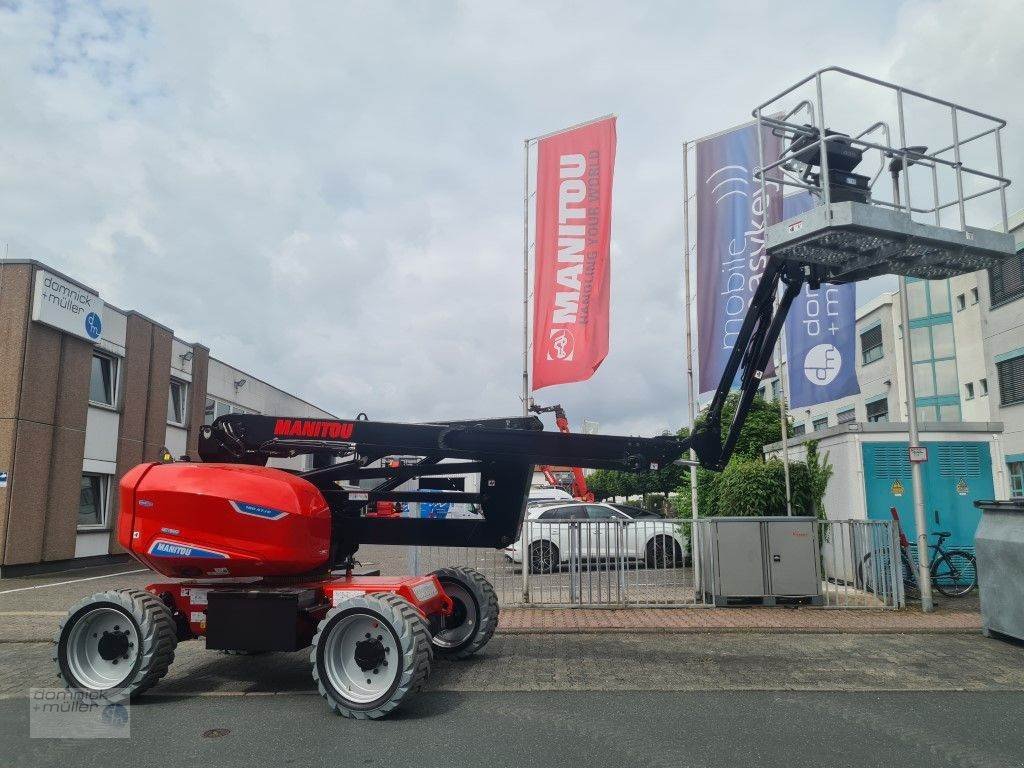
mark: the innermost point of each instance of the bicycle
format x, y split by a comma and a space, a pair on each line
953, 572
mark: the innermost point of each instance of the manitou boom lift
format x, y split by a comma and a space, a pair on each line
260, 559
579, 482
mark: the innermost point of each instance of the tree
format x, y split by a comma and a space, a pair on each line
600, 484
819, 471
763, 426
667, 479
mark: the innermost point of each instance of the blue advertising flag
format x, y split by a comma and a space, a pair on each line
731, 256
821, 334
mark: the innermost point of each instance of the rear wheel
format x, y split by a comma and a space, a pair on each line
664, 552
544, 557
474, 617
370, 654
118, 643
955, 573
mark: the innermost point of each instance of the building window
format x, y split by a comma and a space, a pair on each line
799, 429
877, 411
1006, 280
983, 383
845, 417
1016, 478
961, 302
215, 408
775, 389
871, 345
176, 399
969, 391
103, 380
92, 501
820, 424
974, 296
1011, 380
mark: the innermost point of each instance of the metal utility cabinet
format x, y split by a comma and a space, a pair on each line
758, 558
999, 548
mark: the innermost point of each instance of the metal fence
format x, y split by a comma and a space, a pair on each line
641, 563
860, 564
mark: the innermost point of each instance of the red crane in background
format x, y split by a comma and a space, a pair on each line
579, 482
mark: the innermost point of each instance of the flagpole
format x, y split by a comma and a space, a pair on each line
690, 389
526, 277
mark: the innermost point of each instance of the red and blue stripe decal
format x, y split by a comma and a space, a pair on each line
255, 510
166, 548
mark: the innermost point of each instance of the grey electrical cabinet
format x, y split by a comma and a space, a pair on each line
758, 558
999, 549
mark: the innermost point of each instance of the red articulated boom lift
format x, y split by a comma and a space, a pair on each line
579, 482
259, 559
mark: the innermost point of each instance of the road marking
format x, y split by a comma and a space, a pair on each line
71, 581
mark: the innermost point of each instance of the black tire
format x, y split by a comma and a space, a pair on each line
955, 573
401, 652
663, 552
475, 618
544, 556
143, 642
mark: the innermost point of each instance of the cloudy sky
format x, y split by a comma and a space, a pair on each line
329, 195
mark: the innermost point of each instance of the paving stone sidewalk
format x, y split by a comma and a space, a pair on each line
683, 620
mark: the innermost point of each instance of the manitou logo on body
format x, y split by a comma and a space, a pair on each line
328, 430
164, 548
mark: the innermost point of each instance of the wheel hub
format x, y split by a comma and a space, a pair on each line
369, 654
459, 627
113, 645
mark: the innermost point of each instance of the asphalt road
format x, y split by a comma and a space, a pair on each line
590, 729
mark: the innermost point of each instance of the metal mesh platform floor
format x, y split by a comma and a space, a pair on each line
859, 241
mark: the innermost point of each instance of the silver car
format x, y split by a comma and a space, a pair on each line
553, 532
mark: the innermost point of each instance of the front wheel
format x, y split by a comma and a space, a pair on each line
955, 573
370, 653
118, 643
474, 616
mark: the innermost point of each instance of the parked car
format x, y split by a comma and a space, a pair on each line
600, 531
542, 493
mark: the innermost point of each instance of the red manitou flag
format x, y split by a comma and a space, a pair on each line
572, 277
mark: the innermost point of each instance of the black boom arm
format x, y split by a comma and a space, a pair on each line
750, 355
502, 452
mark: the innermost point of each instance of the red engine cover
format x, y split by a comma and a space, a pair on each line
223, 520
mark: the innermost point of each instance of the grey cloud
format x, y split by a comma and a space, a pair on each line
331, 198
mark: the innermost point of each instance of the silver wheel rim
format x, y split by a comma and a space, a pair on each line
91, 645
456, 636
340, 663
